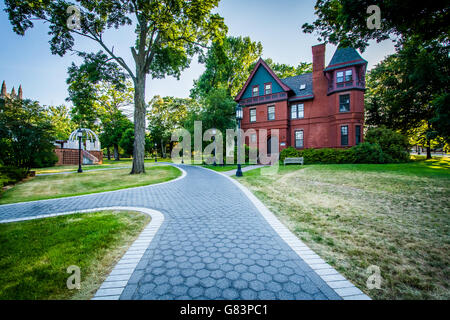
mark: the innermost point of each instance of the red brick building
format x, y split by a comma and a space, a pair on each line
321, 109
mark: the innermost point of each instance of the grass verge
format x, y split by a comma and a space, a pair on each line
35, 254
106, 164
394, 216
65, 185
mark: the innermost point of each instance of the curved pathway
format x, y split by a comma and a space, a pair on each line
214, 243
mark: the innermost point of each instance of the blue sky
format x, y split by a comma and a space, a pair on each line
277, 24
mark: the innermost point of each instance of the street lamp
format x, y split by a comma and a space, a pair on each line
79, 135
239, 117
214, 139
156, 152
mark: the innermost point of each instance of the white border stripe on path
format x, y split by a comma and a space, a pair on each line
183, 175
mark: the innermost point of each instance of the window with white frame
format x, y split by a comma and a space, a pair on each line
344, 135
348, 75
271, 113
294, 111
340, 77
255, 91
268, 88
344, 103
252, 115
299, 141
297, 111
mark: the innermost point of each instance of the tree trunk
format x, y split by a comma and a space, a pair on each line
163, 149
139, 123
108, 152
429, 149
116, 152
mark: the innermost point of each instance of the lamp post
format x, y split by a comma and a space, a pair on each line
214, 139
239, 117
156, 152
79, 135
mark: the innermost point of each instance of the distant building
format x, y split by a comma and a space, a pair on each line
321, 109
4, 93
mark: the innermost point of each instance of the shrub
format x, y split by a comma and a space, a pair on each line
289, 152
44, 159
368, 153
327, 156
394, 145
11, 175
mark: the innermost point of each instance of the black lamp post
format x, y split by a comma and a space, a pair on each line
239, 117
214, 139
156, 152
79, 135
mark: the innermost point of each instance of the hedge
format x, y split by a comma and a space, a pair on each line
11, 175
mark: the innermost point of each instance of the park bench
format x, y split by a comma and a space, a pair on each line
293, 161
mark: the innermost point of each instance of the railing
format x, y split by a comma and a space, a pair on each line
264, 99
356, 84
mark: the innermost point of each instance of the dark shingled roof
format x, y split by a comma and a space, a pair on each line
295, 82
344, 57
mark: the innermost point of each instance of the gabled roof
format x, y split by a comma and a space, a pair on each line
262, 63
295, 82
344, 57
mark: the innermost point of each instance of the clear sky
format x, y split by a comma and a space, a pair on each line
276, 24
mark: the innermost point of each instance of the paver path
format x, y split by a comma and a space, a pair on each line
213, 244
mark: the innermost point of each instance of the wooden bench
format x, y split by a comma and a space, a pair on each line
293, 161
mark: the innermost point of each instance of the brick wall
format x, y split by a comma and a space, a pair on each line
70, 156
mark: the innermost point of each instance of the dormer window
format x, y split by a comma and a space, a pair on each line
344, 76
268, 88
348, 75
340, 77
255, 91
302, 86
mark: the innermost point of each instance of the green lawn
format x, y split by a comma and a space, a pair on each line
106, 164
65, 185
35, 254
395, 216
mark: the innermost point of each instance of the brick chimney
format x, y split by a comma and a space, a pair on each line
318, 53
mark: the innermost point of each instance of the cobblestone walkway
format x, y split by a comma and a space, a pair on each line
213, 244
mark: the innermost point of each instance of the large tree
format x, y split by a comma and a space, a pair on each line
410, 90
26, 134
345, 21
166, 115
168, 33
86, 83
61, 120
227, 64
110, 105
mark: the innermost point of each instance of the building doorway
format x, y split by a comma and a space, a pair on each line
273, 139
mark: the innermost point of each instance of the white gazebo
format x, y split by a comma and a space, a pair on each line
92, 141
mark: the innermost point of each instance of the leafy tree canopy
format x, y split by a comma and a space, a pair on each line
168, 33
61, 120
26, 134
345, 21
227, 64
165, 115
